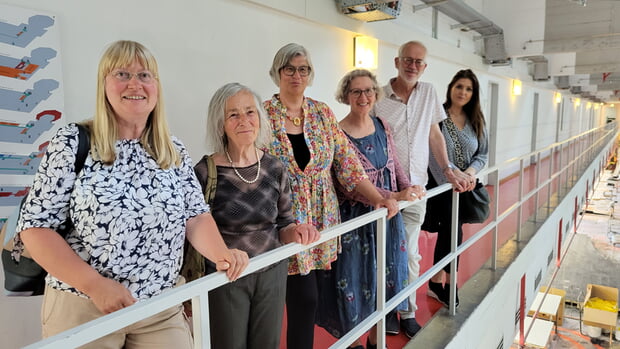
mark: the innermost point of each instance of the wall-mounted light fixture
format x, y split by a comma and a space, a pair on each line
577, 102
365, 52
516, 87
597, 105
612, 105
558, 98
589, 105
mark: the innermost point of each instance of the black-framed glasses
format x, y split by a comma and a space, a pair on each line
356, 92
290, 70
409, 61
145, 77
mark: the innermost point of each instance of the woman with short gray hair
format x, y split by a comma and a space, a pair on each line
252, 209
312, 147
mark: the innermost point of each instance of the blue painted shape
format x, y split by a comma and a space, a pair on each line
25, 67
21, 35
30, 132
12, 196
22, 164
25, 101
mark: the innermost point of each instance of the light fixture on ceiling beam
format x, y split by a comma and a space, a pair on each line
577, 102
516, 87
558, 98
365, 52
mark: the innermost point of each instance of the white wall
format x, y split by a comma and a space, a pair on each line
200, 45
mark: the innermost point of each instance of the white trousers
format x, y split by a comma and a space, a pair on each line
413, 216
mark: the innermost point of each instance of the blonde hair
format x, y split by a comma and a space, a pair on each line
344, 86
155, 138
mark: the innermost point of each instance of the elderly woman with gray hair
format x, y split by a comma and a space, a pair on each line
308, 140
252, 209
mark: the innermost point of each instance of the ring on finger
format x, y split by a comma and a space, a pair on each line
414, 195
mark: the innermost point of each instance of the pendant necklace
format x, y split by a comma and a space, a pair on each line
296, 120
237, 172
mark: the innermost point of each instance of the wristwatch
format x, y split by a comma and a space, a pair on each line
450, 166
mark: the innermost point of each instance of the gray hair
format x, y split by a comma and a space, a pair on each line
410, 43
344, 85
284, 57
216, 137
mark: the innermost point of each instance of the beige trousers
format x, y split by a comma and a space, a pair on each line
63, 310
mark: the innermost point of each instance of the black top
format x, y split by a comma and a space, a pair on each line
300, 149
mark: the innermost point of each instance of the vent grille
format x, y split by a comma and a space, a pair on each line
550, 258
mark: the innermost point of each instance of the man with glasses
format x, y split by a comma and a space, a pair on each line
414, 111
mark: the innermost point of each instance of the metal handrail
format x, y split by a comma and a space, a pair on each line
198, 290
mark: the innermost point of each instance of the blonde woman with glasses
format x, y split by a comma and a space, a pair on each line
133, 205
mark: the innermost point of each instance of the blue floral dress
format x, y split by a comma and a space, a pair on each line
348, 292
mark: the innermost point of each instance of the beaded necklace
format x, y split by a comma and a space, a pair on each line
237, 172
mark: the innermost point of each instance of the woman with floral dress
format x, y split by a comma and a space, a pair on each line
350, 290
310, 144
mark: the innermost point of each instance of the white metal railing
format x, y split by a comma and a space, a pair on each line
589, 145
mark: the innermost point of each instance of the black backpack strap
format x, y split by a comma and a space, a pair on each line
83, 147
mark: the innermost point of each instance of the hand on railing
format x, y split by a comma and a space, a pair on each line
410, 193
300, 233
390, 204
234, 263
109, 295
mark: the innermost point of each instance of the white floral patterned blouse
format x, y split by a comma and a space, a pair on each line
129, 216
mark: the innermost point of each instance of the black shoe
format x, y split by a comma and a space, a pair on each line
448, 296
391, 323
372, 346
410, 326
436, 290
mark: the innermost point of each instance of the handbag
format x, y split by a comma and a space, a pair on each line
22, 275
474, 204
194, 266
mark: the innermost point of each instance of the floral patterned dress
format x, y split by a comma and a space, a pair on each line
349, 291
314, 197
129, 217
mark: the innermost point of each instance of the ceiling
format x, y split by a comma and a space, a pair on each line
590, 29
579, 50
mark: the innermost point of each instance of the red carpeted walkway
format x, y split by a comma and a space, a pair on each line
471, 261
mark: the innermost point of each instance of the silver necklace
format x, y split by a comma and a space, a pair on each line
237, 172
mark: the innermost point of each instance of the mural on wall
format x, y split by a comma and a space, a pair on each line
31, 98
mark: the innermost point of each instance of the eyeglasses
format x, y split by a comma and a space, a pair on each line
290, 70
369, 92
145, 77
410, 61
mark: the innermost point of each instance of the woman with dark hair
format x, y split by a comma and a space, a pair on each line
467, 146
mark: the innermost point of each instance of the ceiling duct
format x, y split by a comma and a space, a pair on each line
370, 11
470, 19
539, 67
575, 90
562, 82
